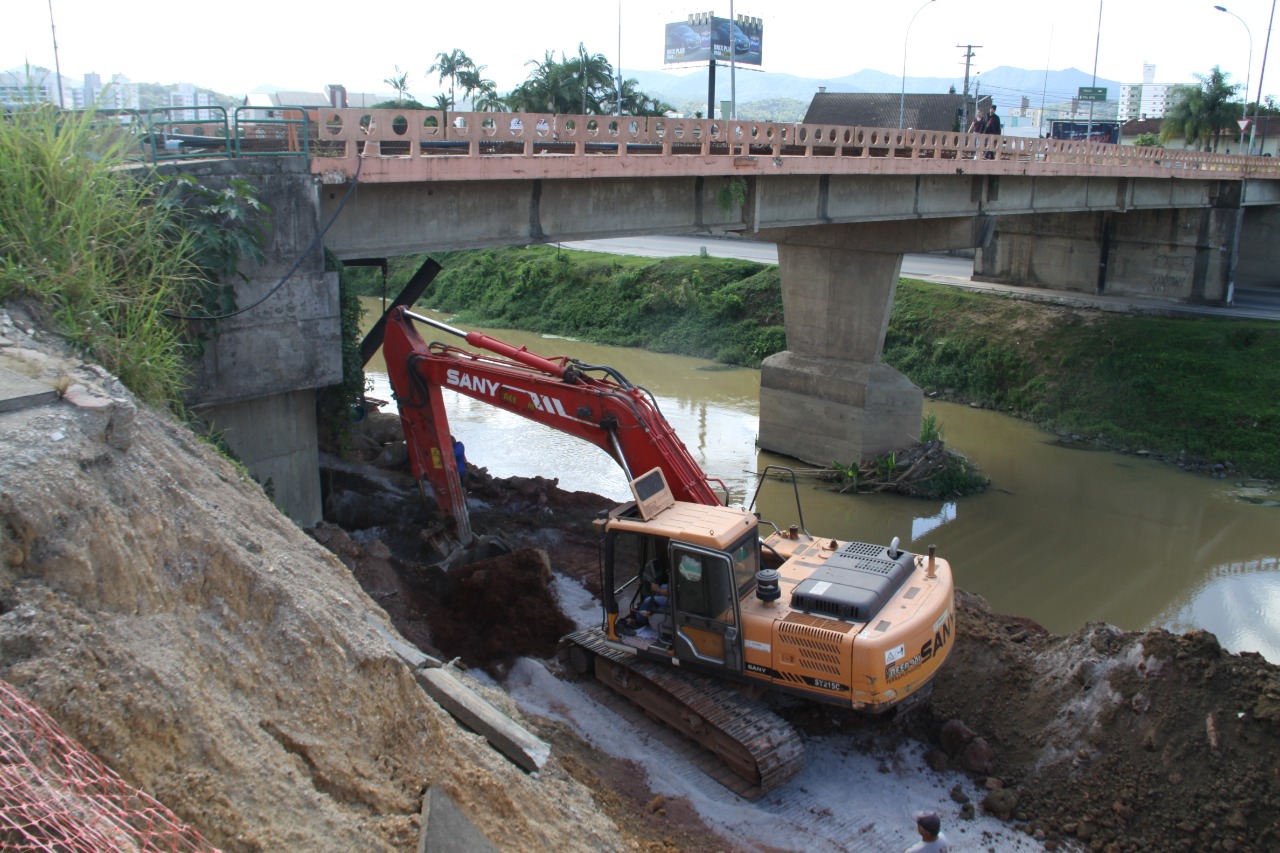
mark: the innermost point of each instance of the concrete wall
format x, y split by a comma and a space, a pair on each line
1176, 254
257, 379
1259, 263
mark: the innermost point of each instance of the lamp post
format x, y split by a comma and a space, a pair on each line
902, 101
1097, 45
1248, 69
1261, 74
57, 68
617, 79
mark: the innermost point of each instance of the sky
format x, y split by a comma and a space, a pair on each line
235, 46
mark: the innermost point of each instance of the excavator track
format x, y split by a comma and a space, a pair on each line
758, 748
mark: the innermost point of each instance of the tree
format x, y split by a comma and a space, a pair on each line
582, 85
1202, 112
1147, 140
471, 82
449, 66
638, 103
400, 83
489, 101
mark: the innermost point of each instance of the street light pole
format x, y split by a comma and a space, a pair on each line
1248, 70
1097, 45
617, 80
902, 100
57, 67
1261, 74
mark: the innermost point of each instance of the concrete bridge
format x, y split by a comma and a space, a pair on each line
842, 204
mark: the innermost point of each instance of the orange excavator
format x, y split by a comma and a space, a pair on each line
701, 614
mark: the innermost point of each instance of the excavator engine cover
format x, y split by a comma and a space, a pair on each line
855, 583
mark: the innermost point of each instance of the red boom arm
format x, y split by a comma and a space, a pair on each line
607, 411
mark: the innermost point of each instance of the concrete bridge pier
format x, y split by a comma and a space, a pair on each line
829, 397
260, 369
1186, 254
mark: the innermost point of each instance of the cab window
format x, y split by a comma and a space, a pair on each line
704, 584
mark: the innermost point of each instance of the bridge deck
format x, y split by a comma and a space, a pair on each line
398, 145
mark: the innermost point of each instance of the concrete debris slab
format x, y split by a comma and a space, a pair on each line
445, 829
512, 740
18, 392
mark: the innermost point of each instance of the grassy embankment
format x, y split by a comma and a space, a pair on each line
85, 247
1204, 390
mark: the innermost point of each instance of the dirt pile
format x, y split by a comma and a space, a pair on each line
1118, 740
170, 619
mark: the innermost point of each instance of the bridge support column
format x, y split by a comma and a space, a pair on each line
1178, 254
257, 379
1259, 263
828, 397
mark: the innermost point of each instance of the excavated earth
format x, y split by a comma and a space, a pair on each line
155, 603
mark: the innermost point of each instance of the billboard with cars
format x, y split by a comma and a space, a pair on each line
1098, 131
703, 37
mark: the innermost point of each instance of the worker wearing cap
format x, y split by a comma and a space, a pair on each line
931, 840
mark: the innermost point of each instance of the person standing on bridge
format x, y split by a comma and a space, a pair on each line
979, 122
992, 127
992, 123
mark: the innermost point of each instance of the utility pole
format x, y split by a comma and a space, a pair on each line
57, 68
1088, 131
968, 55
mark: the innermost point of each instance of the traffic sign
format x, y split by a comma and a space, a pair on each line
1244, 123
1092, 93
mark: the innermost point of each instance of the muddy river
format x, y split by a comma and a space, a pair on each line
1063, 536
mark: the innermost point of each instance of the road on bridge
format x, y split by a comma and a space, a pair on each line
942, 269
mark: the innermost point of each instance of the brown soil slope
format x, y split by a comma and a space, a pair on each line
170, 619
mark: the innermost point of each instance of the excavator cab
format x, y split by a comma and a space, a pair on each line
706, 555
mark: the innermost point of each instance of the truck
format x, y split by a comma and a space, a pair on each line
854, 625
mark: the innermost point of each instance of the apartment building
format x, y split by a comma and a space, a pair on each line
1147, 99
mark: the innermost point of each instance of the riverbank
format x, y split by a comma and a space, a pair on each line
237, 672
1197, 392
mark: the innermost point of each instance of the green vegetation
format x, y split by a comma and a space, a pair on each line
84, 245
722, 309
584, 84
1202, 389
223, 228
338, 403
1203, 112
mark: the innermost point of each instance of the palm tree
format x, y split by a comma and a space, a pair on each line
638, 103
471, 82
594, 78
400, 83
1203, 111
488, 100
544, 91
449, 66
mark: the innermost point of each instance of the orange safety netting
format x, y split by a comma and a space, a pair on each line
56, 796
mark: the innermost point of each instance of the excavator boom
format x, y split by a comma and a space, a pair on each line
620, 418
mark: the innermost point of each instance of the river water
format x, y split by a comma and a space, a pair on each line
1063, 536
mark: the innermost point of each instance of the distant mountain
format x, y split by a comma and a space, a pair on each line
1008, 86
